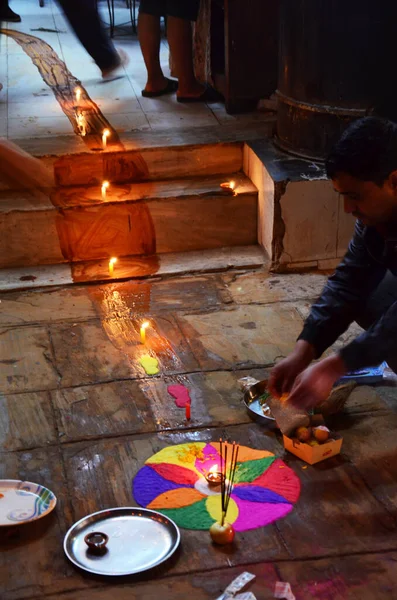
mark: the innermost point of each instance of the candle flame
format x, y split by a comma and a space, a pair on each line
145, 325
105, 185
214, 469
232, 185
106, 133
77, 92
112, 261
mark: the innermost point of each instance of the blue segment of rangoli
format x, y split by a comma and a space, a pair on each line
255, 493
148, 484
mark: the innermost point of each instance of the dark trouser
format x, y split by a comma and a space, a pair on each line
182, 9
378, 303
84, 18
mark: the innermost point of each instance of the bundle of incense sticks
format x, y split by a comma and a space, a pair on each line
228, 473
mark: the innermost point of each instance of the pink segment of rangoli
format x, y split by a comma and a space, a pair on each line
180, 393
211, 458
252, 515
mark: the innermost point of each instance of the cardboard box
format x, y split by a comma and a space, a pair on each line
314, 454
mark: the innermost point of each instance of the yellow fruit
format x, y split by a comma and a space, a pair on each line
321, 433
221, 534
303, 434
313, 443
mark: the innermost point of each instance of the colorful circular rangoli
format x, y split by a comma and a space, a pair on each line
173, 482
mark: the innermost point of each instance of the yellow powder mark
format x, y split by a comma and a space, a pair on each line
182, 455
191, 454
57, 76
150, 364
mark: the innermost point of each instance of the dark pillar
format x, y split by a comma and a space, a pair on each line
336, 63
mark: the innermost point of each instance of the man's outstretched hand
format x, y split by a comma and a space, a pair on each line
284, 373
314, 384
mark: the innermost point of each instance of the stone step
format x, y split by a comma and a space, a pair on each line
140, 219
130, 267
148, 164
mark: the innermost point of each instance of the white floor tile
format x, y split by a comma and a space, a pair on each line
32, 127
3, 69
242, 119
47, 106
27, 8
168, 104
112, 106
129, 122
166, 121
3, 119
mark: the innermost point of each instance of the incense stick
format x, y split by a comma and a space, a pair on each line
227, 483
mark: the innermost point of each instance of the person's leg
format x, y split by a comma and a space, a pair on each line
378, 303
181, 13
84, 18
179, 33
6, 14
149, 34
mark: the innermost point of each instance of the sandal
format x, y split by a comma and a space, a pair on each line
209, 95
170, 88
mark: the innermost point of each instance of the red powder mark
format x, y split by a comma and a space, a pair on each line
181, 395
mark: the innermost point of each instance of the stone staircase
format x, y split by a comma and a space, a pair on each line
162, 204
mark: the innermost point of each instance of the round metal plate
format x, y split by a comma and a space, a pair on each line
254, 407
139, 539
23, 502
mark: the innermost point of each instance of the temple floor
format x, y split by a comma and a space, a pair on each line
80, 416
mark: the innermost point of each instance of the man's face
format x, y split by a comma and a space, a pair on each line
372, 204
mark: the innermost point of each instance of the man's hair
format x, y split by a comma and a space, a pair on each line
367, 150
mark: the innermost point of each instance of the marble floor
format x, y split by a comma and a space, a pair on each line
28, 108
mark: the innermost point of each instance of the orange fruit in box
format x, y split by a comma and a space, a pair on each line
321, 433
303, 434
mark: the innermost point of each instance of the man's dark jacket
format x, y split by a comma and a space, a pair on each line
366, 262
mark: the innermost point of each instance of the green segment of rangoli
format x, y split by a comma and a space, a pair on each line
194, 516
248, 471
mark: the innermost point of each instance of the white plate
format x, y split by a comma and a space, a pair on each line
24, 502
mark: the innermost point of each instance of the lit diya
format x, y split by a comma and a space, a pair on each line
229, 185
214, 477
